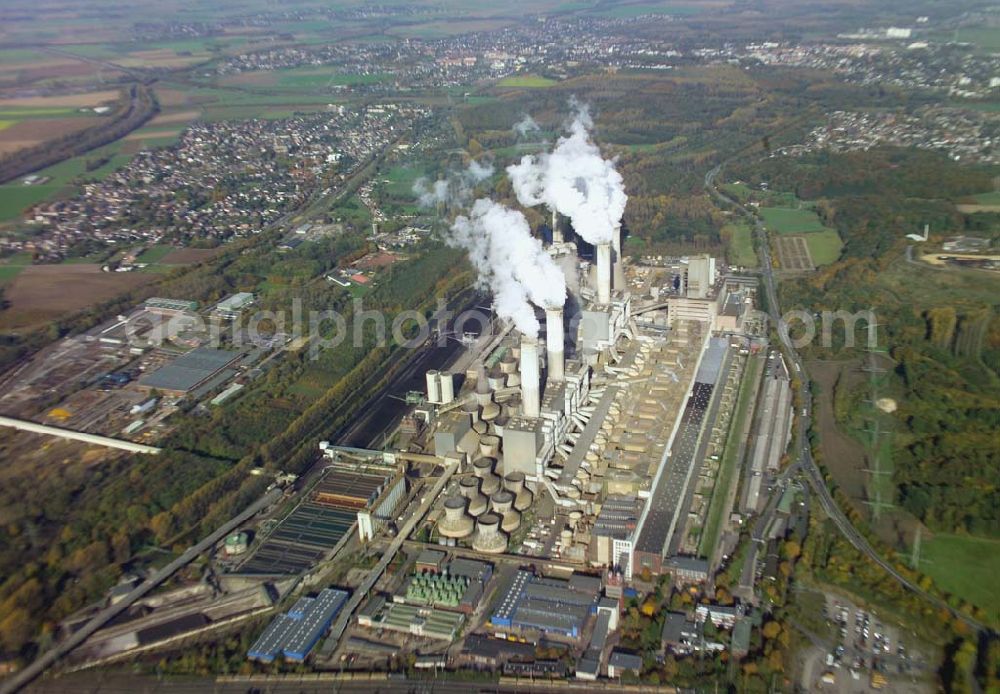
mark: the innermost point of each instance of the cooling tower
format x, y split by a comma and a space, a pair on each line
488, 537
469, 488
489, 446
604, 273
483, 469
502, 504
530, 387
514, 483
554, 343
456, 523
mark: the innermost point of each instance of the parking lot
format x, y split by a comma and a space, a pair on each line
868, 655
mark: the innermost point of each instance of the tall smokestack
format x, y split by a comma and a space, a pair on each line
604, 273
618, 270
554, 343
557, 235
530, 388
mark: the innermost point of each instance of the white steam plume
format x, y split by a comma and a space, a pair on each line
510, 262
526, 125
575, 180
456, 188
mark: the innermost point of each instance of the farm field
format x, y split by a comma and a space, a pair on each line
530, 81
16, 197
38, 295
965, 567
787, 220
824, 244
740, 244
302, 79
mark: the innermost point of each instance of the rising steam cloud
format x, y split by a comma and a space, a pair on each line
575, 180
526, 125
510, 262
455, 189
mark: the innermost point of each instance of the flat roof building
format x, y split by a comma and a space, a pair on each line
190, 371
548, 605
296, 632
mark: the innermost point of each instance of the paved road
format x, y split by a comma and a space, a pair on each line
40, 664
803, 457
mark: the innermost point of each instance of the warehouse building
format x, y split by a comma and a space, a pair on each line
231, 307
191, 371
169, 307
296, 632
428, 622
548, 605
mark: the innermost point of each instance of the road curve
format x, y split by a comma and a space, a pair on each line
804, 459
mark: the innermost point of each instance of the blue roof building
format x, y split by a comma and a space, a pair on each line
295, 633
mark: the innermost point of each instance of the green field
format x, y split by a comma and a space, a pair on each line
965, 567
155, 254
737, 191
988, 198
986, 38
824, 246
15, 197
628, 11
786, 220
740, 237
530, 81
318, 79
9, 272
22, 112
400, 180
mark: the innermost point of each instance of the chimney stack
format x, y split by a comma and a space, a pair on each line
604, 273
530, 388
554, 340
557, 235
618, 270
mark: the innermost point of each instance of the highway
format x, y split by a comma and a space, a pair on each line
803, 459
43, 662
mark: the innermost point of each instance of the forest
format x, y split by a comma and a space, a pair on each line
69, 534
941, 327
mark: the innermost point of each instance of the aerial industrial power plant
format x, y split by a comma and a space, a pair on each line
429, 346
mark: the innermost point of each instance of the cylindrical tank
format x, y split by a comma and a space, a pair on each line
514, 380
508, 364
447, 388
566, 538
489, 538
433, 387
456, 523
